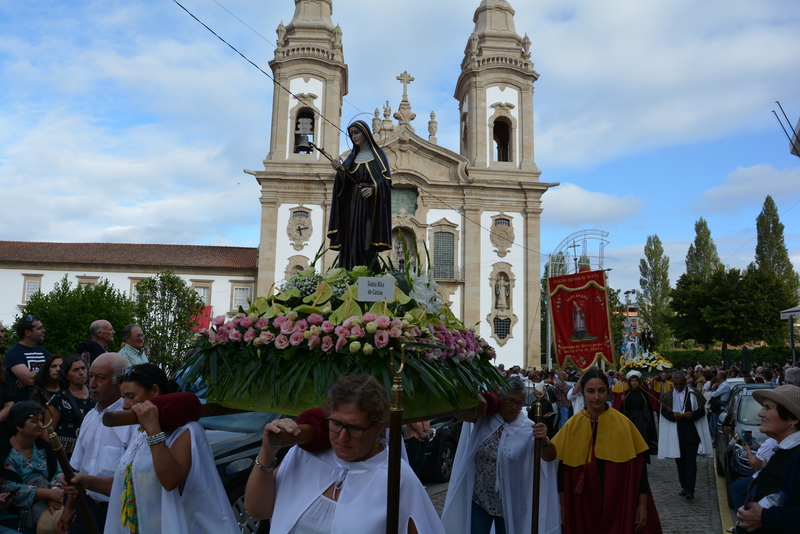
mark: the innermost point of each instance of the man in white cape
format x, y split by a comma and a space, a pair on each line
514, 478
683, 431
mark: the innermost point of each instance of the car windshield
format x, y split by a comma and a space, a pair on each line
748, 411
248, 422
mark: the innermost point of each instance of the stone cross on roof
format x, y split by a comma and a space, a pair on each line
405, 79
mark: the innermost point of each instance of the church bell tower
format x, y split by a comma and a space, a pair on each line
310, 83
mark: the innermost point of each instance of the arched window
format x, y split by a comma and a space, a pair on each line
502, 139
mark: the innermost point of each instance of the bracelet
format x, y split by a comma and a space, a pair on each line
269, 469
158, 438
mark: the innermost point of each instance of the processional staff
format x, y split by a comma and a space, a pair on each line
69, 474
395, 442
537, 468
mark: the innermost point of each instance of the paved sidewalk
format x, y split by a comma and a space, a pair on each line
678, 516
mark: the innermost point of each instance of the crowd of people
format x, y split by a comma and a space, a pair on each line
594, 444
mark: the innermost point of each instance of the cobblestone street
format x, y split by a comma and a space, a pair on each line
678, 516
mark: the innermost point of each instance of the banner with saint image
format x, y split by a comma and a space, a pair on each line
581, 318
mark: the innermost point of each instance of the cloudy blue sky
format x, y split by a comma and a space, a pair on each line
127, 121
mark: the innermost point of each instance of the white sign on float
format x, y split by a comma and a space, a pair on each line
375, 289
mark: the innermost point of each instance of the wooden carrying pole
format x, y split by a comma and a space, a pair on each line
69, 474
395, 442
537, 469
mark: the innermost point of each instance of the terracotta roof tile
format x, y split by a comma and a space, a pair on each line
130, 254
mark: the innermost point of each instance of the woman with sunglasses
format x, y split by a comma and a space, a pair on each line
165, 481
491, 481
342, 487
67, 408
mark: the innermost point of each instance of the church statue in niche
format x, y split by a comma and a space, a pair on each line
502, 318
360, 224
502, 291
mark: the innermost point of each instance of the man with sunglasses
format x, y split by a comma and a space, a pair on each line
24, 359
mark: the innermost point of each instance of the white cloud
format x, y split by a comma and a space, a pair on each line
751, 185
571, 205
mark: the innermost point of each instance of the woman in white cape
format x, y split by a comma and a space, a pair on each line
513, 471
341, 485
166, 481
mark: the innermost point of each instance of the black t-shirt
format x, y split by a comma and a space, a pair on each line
31, 357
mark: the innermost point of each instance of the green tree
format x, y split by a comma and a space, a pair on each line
167, 309
702, 260
771, 253
727, 310
768, 295
68, 311
687, 301
653, 299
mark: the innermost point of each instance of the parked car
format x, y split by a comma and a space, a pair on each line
738, 421
440, 451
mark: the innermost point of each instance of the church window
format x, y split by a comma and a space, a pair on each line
502, 138
203, 288
443, 255
502, 327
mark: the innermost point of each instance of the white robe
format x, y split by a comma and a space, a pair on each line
668, 445
361, 507
202, 507
515, 474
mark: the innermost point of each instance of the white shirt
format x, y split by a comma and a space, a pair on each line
99, 447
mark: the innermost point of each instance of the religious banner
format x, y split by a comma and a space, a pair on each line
580, 318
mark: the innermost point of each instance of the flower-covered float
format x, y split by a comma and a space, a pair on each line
649, 363
283, 354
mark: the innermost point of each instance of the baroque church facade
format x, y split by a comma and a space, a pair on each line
476, 210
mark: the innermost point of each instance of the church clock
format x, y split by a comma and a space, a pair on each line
299, 227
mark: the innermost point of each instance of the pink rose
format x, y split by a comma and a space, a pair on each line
397, 323
249, 335
315, 319
235, 335
212, 337
267, 336
314, 342
369, 317
341, 343
296, 338
342, 331
327, 344
350, 321
383, 322
281, 342
204, 332
246, 322
279, 321
381, 339
327, 327
287, 327
235, 321
301, 325
261, 323
357, 331
395, 332
219, 320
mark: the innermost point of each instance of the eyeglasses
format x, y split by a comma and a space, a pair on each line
128, 374
355, 431
513, 402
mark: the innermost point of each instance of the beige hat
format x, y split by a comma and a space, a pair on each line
786, 396
48, 522
633, 372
